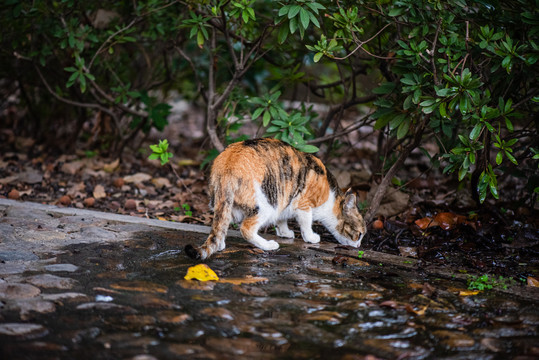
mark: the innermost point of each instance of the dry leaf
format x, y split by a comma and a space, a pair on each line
137, 178
201, 272
423, 223
110, 167
99, 192
72, 167
408, 251
532, 281
161, 182
448, 221
468, 292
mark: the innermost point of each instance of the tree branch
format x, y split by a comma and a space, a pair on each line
382, 188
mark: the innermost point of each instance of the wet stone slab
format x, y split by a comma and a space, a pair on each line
129, 300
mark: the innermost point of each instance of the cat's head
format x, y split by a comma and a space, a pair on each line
351, 226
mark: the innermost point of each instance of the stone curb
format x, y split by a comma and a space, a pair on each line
69, 211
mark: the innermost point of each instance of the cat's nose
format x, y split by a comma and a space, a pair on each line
361, 237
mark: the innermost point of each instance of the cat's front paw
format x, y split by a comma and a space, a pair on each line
270, 245
312, 238
285, 233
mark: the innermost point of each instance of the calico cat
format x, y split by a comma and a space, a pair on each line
266, 181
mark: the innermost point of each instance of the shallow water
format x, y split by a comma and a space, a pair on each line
130, 301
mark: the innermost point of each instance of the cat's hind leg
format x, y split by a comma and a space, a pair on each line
249, 230
305, 221
282, 230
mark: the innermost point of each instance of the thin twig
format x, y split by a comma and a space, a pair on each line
361, 43
347, 130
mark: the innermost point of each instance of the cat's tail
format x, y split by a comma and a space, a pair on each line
223, 202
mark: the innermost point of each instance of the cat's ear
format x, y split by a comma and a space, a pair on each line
349, 200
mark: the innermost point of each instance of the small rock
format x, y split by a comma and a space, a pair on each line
105, 306
130, 204
172, 317
65, 296
89, 202
61, 267
118, 183
29, 306
378, 225
218, 312
115, 205
14, 194
65, 200
28, 331
51, 281
454, 339
16, 291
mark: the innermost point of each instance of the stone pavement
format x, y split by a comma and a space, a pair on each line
28, 230
89, 285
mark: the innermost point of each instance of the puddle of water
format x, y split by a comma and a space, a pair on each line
132, 300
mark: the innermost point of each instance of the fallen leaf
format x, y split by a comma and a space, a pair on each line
110, 167
408, 251
423, 223
201, 272
72, 167
468, 292
428, 290
137, 178
161, 182
531, 281
9, 179
99, 192
77, 190
448, 221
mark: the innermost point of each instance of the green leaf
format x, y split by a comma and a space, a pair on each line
266, 118
317, 56
403, 129
309, 148
283, 34
257, 113
304, 17
499, 158
284, 10
508, 124
396, 121
385, 88
294, 10
462, 173
396, 12
476, 131
511, 157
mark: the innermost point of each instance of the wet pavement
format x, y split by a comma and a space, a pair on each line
85, 285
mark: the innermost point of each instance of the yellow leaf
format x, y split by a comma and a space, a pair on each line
201, 272
468, 292
161, 218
